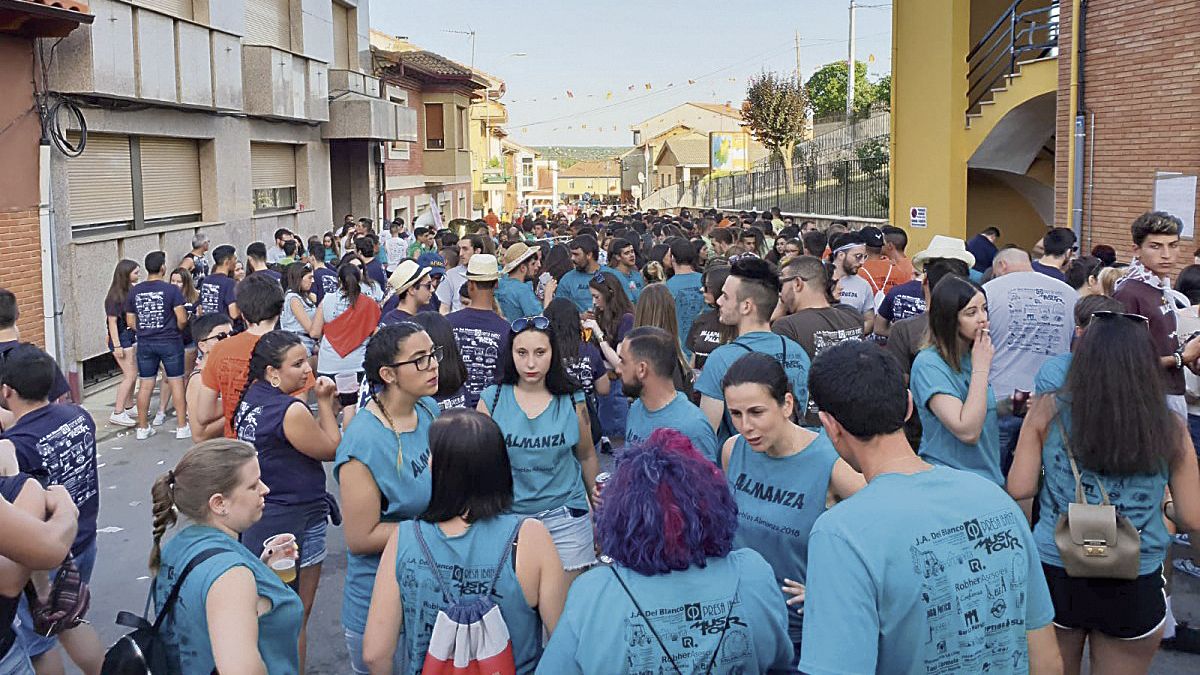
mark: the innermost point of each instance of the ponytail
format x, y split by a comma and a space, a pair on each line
270, 350
350, 280
163, 496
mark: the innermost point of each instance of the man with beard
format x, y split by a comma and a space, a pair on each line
848, 254
585, 253
647, 362
622, 257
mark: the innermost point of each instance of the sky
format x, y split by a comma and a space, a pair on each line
597, 50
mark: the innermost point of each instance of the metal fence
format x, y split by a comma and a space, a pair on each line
852, 187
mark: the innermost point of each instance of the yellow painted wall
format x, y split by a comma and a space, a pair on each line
991, 203
930, 40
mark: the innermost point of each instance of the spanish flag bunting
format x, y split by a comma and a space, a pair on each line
608, 96
691, 82
870, 58
570, 94
648, 86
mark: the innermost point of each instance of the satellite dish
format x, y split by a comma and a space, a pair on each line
641, 177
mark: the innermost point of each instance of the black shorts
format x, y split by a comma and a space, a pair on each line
1126, 610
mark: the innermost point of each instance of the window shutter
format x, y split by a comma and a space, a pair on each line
100, 181
341, 38
179, 8
170, 177
272, 165
269, 22
435, 128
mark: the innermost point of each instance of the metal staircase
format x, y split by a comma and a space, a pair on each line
1026, 32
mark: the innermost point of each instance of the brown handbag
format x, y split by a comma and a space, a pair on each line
1094, 541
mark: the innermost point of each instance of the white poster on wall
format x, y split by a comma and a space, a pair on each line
1175, 193
918, 217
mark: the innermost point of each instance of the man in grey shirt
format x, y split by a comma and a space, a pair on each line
1031, 317
448, 290
849, 252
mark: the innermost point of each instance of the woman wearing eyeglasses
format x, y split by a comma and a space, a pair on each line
543, 414
949, 382
207, 330
1097, 420
382, 464
291, 446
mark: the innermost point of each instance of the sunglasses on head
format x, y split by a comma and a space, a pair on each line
1132, 317
538, 322
743, 256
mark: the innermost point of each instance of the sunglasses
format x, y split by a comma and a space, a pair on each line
422, 362
219, 336
743, 256
538, 322
1132, 317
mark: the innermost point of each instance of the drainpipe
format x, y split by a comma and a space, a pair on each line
51, 310
1076, 114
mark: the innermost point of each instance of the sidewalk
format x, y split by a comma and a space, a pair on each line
99, 404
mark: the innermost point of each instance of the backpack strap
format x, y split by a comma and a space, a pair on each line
496, 399
429, 559
509, 545
169, 603
1079, 496
649, 625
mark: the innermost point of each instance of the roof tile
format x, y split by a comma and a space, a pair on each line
80, 6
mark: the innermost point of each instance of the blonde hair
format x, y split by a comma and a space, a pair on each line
1108, 277
656, 307
206, 469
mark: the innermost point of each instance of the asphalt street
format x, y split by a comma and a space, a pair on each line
128, 468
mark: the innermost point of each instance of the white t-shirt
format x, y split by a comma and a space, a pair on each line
396, 248
448, 290
1031, 317
857, 293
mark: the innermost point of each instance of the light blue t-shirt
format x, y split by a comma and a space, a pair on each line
784, 350
401, 472
680, 414
517, 299
187, 627
467, 564
602, 632
1138, 497
546, 473
778, 500
931, 375
633, 283
1052, 375
934, 572
688, 291
574, 287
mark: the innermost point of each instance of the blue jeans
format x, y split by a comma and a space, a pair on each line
1010, 431
614, 410
571, 530
33, 644
354, 645
1194, 431
16, 661
151, 354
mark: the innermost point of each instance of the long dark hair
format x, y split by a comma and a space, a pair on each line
616, 306
190, 294
350, 282
118, 290
293, 275
1119, 425
558, 380
568, 330
270, 350
469, 468
452, 373
948, 298
557, 262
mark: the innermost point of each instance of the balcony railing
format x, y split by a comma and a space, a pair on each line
1022, 33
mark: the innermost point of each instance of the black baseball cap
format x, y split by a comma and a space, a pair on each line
872, 236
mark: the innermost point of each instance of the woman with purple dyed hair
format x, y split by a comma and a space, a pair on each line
676, 591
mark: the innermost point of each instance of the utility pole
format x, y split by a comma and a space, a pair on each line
850, 77
799, 76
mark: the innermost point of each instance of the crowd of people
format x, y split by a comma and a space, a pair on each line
828, 457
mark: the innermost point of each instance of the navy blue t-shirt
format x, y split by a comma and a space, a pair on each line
324, 281
374, 270
154, 303
217, 293
394, 316
272, 274
1052, 272
902, 301
293, 477
57, 444
482, 335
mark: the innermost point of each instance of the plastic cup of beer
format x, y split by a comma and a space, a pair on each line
281, 553
347, 383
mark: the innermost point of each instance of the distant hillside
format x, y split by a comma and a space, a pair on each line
570, 154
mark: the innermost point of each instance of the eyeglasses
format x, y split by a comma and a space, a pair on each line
218, 337
539, 322
1132, 317
422, 362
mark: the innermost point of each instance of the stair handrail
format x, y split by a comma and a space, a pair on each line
1008, 31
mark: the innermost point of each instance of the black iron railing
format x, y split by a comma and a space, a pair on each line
1028, 30
853, 187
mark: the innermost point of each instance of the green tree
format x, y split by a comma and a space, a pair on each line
827, 89
774, 111
883, 92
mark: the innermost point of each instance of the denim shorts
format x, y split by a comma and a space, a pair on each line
16, 661
307, 522
126, 339
33, 644
151, 354
354, 645
571, 530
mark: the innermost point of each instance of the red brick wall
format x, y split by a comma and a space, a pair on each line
21, 271
1142, 81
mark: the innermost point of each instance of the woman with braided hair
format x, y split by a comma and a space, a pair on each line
291, 446
233, 614
382, 464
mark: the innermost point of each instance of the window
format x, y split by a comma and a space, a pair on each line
570, 185
397, 149
462, 205
462, 128
131, 182
527, 172
435, 127
273, 176
179, 8
342, 40
269, 22
401, 212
